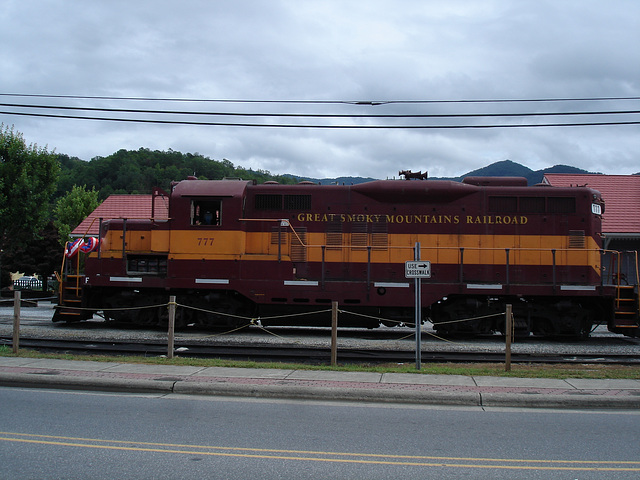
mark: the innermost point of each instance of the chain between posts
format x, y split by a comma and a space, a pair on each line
172, 307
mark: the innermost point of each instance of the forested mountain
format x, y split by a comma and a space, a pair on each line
507, 168
138, 171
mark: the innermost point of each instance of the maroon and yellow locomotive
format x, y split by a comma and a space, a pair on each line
232, 250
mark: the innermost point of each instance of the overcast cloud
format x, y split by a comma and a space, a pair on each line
344, 50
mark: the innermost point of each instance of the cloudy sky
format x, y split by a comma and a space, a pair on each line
327, 88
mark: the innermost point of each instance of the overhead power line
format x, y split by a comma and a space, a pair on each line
321, 102
318, 126
274, 120
320, 115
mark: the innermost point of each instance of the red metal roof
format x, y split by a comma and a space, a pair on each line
621, 194
122, 206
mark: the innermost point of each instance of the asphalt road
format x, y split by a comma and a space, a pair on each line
79, 435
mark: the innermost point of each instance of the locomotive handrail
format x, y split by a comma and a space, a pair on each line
498, 249
461, 250
485, 249
435, 247
637, 281
286, 222
89, 228
637, 273
616, 265
64, 257
618, 276
155, 219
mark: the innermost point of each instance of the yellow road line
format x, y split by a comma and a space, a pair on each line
320, 456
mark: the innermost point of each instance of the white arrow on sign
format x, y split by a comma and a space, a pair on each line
417, 269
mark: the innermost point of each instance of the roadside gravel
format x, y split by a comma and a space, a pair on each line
36, 323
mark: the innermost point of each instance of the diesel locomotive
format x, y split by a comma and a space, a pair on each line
232, 250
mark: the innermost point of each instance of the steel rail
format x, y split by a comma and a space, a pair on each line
307, 354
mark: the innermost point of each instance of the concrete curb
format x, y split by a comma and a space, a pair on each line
575, 401
168, 384
40, 380
185, 387
331, 394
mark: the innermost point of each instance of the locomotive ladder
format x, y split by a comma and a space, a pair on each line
70, 296
70, 291
627, 303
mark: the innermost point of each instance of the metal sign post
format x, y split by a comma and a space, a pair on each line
418, 270
418, 288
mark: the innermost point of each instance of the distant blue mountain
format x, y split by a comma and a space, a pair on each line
505, 168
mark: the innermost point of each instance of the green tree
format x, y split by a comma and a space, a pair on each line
41, 256
138, 171
73, 208
73, 171
28, 176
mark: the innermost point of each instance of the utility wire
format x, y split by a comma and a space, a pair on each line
320, 102
322, 115
279, 125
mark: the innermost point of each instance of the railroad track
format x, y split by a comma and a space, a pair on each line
307, 354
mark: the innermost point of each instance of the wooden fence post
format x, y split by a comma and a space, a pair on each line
508, 339
16, 320
172, 326
334, 334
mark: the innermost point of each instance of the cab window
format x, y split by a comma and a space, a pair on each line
206, 212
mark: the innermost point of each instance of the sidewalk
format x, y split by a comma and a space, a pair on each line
321, 385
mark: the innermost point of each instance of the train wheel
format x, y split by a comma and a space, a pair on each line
240, 313
465, 316
443, 324
218, 310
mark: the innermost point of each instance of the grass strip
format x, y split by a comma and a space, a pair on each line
521, 370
